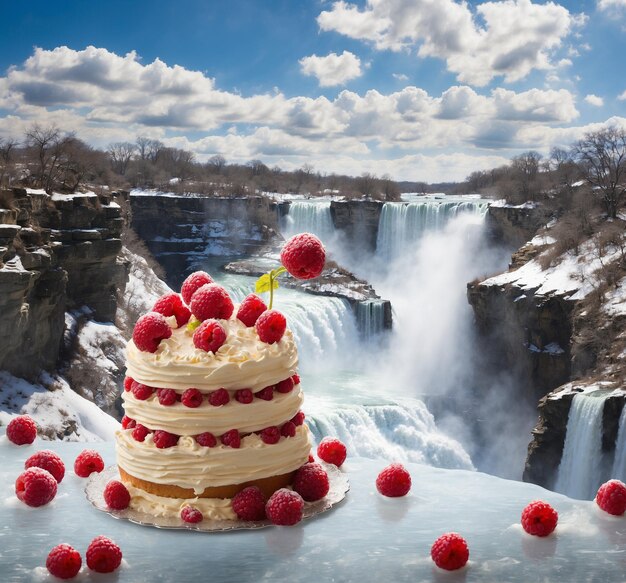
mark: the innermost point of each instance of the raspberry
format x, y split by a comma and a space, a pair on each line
311, 458
267, 394
311, 482
167, 397
539, 518
87, 462
211, 301
285, 507
296, 379
249, 504
149, 330
209, 336
164, 439
332, 451
128, 423
172, 305
285, 386
22, 430
35, 487
298, 419
64, 561
288, 429
103, 555
49, 461
270, 435
611, 497
450, 551
116, 495
244, 396
140, 432
271, 326
219, 397
141, 392
128, 383
231, 438
206, 439
303, 256
192, 398
192, 283
394, 481
250, 310
191, 515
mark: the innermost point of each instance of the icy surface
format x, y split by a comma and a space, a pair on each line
363, 539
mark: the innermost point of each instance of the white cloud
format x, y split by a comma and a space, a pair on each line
611, 4
333, 69
622, 96
400, 76
594, 100
509, 38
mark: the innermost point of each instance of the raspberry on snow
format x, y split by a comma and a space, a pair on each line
103, 555
116, 495
539, 518
87, 462
193, 282
303, 256
231, 438
35, 487
332, 451
149, 330
64, 561
311, 482
206, 439
167, 397
250, 310
164, 439
191, 515
394, 481
211, 301
22, 430
249, 504
192, 398
285, 507
611, 497
209, 336
450, 551
172, 305
49, 461
219, 397
245, 396
271, 326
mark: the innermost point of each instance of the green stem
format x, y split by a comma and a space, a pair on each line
271, 289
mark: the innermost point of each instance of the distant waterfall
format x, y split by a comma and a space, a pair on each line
370, 318
310, 217
581, 470
402, 224
405, 433
619, 463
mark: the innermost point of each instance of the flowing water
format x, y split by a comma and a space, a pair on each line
619, 462
309, 217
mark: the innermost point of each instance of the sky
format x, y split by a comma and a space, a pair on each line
424, 90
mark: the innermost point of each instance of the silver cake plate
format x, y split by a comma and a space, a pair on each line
94, 490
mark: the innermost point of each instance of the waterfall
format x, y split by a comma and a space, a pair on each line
370, 318
619, 463
310, 217
582, 462
401, 225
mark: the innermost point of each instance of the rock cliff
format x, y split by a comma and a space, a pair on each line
358, 219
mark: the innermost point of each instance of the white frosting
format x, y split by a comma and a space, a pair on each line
190, 465
182, 420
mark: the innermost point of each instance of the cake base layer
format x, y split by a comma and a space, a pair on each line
267, 485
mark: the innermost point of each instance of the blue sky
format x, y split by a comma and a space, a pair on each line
417, 89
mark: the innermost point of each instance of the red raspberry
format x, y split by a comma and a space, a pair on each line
22, 430
64, 561
128, 383
285, 386
211, 301
285, 507
116, 495
206, 439
298, 419
332, 451
249, 504
209, 336
231, 438
103, 555
164, 439
140, 432
303, 256
128, 423
149, 330
311, 458
288, 429
167, 397
539, 518
219, 397
250, 310
270, 435
450, 551
49, 461
271, 326
267, 394
172, 305
87, 462
141, 392
311, 482
192, 398
244, 396
394, 481
191, 515
611, 497
35, 487
192, 283
296, 379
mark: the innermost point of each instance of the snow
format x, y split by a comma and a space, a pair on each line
60, 412
540, 240
35, 191
14, 264
501, 203
553, 348
615, 300
65, 197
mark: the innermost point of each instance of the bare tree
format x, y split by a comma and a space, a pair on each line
216, 163
121, 154
7, 147
149, 149
45, 144
526, 169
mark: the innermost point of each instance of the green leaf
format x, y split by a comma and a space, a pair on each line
276, 272
193, 324
265, 283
